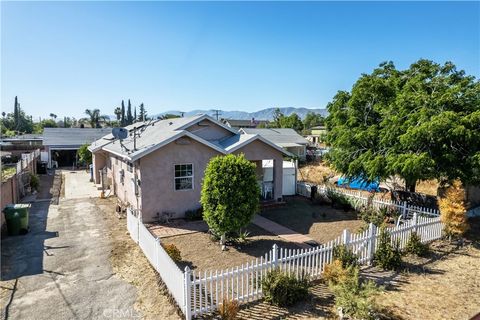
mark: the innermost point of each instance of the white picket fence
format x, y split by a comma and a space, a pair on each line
243, 283
405, 209
201, 292
171, 275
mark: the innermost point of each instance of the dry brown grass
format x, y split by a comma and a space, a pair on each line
316, 172
427, 187
200, 252
130, 264
446, 288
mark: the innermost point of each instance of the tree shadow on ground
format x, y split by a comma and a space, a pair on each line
318, 305
299, 214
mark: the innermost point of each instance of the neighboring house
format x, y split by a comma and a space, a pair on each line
317, 135
286, 138
61, 144
17, 145
238, 124
159, 167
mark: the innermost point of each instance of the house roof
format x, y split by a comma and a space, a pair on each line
319, 128
283, 137
72, 137
154, 135
23, 137
243, 123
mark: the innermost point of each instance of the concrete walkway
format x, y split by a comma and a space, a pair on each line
283, 232
61, 268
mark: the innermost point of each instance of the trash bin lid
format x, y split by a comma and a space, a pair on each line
18, 206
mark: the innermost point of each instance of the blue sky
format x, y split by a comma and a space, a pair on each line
64, 57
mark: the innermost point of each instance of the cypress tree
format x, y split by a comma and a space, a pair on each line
129, 113
135, 115
122, 120
143, 114
16, 114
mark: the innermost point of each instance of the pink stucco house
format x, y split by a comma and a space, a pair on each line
159, 167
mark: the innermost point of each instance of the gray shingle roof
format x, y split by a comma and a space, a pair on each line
159, 133
284, 137
72, 137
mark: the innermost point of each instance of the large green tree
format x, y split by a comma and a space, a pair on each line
419, 123
313, 119
282, 121
230, 193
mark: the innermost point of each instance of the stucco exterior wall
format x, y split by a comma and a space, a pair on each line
210, 131
125, 191
258, 150
98, 161
158, 173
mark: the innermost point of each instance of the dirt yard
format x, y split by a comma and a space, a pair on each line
129, 262
444, 285
320, 222
200, 252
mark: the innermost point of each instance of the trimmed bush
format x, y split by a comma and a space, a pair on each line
345, 255
355, 298
173, 252
228, 309
387, 256
284, 290
415, 245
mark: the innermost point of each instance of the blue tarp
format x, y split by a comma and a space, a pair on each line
358, 183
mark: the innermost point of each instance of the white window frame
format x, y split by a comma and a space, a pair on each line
183, 177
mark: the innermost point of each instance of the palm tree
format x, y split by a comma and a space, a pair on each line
118, 113
95, 117
53, 116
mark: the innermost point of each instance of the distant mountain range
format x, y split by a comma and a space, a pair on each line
265, 114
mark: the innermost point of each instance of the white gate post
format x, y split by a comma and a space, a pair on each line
404, 210
346, 237
187, 302
415, 221
371, 242
275, 255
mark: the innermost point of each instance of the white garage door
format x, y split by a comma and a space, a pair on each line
289, 182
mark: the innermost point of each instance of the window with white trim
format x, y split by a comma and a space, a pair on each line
183, 176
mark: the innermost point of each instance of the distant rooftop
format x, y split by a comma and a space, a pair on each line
284, 137
72, 137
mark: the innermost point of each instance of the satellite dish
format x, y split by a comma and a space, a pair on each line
119, 133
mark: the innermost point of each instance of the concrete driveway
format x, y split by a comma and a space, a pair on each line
61, 269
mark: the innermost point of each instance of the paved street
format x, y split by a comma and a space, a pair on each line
61, 269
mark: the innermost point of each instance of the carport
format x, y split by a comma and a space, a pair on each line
62, 144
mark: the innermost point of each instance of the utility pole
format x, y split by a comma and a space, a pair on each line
217, 113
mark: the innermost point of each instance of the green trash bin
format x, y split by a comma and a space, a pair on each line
16, 216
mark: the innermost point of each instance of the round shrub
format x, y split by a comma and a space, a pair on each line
173, 252
284, 290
